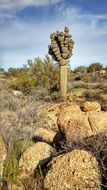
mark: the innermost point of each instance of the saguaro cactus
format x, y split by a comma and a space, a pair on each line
61, 50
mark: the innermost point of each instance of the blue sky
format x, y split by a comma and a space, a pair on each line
25, 27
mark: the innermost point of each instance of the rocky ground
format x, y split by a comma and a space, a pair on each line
51, 145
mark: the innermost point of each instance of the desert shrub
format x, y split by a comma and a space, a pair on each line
85, 78
3, 104
105, 90
55, 96
8, 101
19, 117
15, 134
40, 94
77, 78
3, 84
45, 71
95, 67
91, 95
12, 131
24, 83
14, 104
104, 105
41, 73
11, 170
20, 79
80, 69
79, 84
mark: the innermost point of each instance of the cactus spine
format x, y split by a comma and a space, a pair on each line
61, 50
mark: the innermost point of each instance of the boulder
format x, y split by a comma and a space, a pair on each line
3, 154
98, 122
17, 93
77, 128
74, 170
49, 113
65, 114
44, 135
15, 186
91, 106
39, 153
73, 124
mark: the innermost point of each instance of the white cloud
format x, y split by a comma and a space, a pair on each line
20, 4
22, 40
9, 7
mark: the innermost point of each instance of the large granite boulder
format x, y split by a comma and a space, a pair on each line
76, 125
39, 153
49, 114
73, 123
74, 170
65, 114
98, 122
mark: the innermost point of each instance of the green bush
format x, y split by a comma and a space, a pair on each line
85, 78
45, 71
24, 83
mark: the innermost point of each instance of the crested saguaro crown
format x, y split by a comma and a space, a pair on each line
61, 46
61, 50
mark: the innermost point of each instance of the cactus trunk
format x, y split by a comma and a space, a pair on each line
63, 80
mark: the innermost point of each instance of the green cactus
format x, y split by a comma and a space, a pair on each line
61, 50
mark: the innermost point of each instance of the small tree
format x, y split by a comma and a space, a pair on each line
61, 50
44, 71
80, 69
95, 67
